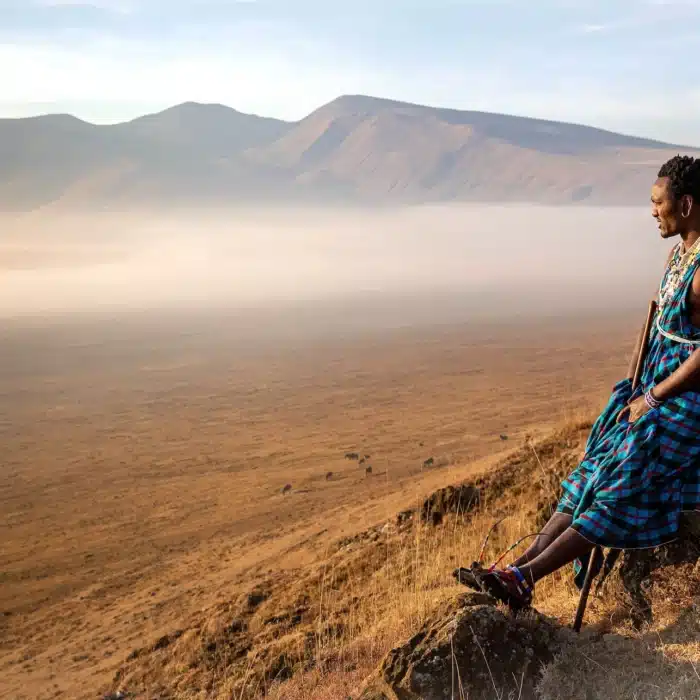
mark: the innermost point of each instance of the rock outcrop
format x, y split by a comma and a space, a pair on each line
469, 648
676, 567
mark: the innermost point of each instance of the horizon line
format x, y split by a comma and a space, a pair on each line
346, 96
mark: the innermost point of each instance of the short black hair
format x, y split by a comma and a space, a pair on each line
683, 173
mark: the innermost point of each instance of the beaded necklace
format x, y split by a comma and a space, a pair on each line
679, 265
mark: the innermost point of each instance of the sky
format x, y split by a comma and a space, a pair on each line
625, 65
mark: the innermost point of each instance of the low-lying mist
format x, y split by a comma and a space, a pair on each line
487, 258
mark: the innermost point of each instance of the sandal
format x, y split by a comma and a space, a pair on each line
470, 577
507, 585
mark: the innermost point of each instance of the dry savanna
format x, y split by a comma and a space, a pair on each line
206, 502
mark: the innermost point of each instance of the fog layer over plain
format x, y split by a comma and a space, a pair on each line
483, 258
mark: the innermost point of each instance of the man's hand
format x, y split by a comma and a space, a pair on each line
634, 410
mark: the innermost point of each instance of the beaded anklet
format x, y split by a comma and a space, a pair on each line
520, 579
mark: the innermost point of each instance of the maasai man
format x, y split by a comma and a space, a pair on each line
641, 466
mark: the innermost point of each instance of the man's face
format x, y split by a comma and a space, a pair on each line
671, 214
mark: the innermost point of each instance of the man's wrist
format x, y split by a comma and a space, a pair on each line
652, 399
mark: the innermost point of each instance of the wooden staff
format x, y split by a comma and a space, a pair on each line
594, 563
644, 349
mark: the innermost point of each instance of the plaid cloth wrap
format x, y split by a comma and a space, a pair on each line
636, 478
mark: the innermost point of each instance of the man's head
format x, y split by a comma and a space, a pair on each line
675, 196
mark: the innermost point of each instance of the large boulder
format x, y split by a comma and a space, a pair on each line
675, 566
470, 648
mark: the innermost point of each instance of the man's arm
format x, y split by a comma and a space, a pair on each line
685, 378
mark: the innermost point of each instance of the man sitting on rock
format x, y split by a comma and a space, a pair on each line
641, 467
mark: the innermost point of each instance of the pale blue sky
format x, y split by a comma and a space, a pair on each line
627, 65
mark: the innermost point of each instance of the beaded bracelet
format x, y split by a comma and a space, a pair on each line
651, 401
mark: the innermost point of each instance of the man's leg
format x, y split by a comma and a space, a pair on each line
567, 547
555, 526
507, 584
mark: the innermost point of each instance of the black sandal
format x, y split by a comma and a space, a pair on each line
470, 577
509, 586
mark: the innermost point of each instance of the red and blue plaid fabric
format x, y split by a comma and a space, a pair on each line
635, 479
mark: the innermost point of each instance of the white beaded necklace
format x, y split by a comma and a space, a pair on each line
677, 269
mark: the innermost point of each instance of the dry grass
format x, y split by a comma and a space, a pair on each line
609, 660
362, 598
403, 593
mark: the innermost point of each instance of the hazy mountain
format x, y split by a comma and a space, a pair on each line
356, 148
206, 129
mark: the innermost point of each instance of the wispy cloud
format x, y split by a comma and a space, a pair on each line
693, 4
595, 28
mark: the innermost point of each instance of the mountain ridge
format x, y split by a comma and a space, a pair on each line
356, 149
355, 98
387, 102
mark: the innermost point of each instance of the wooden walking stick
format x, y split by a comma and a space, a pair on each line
596, 557
594, 562
644, 349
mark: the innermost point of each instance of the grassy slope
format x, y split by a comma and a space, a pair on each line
319, 631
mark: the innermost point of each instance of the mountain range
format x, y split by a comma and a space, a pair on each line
355, 149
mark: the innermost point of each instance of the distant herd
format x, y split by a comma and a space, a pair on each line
362, 460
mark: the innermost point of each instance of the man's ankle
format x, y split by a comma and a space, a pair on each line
526, 572
523, 561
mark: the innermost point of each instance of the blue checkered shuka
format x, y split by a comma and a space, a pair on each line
635, 479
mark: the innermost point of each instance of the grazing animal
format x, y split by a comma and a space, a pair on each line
429, 462
363, 460
286, 489
368, 469
352, 455
421, 444
504, 437
329, 476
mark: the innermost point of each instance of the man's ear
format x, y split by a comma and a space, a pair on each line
686, 205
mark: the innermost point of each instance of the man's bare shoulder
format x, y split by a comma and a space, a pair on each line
695, 287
